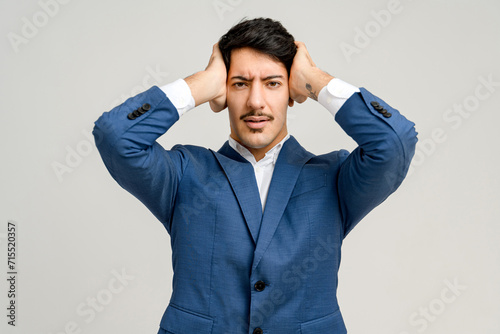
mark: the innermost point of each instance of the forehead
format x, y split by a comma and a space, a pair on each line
249, 62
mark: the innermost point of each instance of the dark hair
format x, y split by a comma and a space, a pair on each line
262, 34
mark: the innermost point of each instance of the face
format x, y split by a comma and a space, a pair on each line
257, 100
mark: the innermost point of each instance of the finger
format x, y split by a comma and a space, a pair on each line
216, 54
302, 51
299, 44
300, 99
216, 49
217, 106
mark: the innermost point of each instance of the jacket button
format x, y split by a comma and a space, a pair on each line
260, 286
146, 106
387, 114
258, 331
131, 116
375, 104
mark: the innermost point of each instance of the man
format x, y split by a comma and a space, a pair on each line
256, 228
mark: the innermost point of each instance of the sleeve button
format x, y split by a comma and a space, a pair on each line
260, 286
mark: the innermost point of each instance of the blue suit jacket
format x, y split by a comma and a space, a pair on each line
236, 269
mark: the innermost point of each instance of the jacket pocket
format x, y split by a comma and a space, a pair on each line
179, 321
330, 324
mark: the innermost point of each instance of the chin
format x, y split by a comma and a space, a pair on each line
255, 142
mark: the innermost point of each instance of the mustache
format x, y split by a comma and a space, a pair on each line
256, 113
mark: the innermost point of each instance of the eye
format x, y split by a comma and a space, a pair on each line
273, 84
239, 84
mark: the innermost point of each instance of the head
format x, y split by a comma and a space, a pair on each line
258, 55
262, 34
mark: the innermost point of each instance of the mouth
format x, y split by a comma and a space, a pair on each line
256, 122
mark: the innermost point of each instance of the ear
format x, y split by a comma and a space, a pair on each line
290, 102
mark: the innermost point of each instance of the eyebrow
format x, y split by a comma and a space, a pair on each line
242, 78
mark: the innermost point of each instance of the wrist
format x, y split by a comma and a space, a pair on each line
200, 89
317, 79
206, 86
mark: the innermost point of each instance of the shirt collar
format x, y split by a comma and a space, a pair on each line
270, 157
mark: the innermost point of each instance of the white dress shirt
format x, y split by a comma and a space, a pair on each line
263, 168
332, 97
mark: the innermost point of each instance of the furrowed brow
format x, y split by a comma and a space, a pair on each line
240, 77
269, 77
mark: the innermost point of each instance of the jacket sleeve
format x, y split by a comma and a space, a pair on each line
375, 169
128, 147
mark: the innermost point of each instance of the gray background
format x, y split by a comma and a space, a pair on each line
78, 228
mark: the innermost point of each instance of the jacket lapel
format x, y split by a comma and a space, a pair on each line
241, 176
288, 166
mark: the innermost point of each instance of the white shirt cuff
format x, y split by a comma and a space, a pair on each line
335, 93
179, 94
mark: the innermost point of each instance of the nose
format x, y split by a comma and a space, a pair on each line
256, 97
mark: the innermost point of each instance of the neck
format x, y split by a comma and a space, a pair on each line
260, 152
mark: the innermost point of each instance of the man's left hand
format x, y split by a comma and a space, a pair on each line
306, 80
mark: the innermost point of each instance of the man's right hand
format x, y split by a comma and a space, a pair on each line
210, 85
